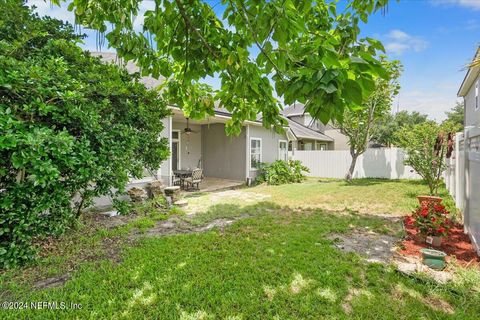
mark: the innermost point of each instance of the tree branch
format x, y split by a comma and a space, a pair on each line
189, 24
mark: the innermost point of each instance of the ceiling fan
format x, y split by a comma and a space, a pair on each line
188, 130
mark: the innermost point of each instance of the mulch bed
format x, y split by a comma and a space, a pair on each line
456, 244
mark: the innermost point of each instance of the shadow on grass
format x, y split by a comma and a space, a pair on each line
375, 181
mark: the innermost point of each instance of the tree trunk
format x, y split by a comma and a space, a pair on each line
349, 175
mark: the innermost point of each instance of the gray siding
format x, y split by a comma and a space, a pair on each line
190, 145
472, 116
340, 141
270, 141
223, 156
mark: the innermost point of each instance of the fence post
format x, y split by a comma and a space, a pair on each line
458, 180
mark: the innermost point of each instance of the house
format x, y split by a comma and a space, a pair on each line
311, 134
469, 91
204, 143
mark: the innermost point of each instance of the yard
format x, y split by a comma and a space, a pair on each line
258, 253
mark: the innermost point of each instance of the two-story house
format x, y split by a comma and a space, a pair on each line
470, 92
312, 134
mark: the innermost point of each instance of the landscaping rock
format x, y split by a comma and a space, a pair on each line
155, 188
410, 266
137, 195
173, 192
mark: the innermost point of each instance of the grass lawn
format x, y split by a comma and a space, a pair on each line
368, 196
277, 263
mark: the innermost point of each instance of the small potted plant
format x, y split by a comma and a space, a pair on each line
431, 221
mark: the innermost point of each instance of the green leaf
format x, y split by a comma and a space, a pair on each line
352, 92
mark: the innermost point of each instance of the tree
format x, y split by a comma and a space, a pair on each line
358, 124
456, 115
385, 129
426, 146
71, 129
306, 50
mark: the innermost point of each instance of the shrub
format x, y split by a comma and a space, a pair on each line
71, 129
282, 172
430, 219
426, 146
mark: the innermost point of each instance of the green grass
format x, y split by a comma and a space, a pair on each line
277, 263
367, 196
370, 196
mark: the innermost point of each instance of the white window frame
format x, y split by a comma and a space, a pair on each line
250, 152
179, 149
286, 150
477, 98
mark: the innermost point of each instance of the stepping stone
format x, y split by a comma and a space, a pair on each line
181, 203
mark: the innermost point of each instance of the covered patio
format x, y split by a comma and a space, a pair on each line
211, 184
203, 144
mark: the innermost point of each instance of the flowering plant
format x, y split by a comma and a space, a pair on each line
430, 219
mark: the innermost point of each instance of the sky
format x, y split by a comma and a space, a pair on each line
434, 40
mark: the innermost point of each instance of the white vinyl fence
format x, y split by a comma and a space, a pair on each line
462, 179
374, 163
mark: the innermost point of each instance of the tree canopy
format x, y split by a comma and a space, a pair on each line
71, 128
307, 52
456, 115
386, 128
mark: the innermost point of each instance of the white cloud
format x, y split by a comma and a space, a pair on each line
472, 4
433, 103
398, 42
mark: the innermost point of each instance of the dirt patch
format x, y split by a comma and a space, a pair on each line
433, 301
457, 245
52, 282
175, 225
373, 246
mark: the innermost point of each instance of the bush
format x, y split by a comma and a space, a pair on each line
71, 129
282, 172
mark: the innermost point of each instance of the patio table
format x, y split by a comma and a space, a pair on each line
182, 174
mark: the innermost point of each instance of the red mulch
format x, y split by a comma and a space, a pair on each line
457, 244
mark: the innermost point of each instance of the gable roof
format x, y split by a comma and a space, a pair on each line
296, 109
470, 77
303, 132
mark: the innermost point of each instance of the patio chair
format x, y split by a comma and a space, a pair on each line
176, 180
195, 179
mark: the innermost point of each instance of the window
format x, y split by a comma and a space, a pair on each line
283, 150
477, 102
320, 146
255, 152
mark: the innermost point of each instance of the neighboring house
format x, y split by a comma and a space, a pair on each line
311, 134
470, 92
204, 143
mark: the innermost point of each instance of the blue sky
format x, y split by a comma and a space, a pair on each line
434, 39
